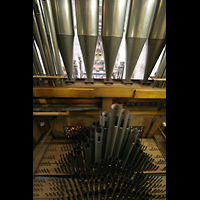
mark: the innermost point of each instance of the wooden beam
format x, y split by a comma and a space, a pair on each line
63, 92
106, 104
109, 91
68, 101
151, 93
51, 113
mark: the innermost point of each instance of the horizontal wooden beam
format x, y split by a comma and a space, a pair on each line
51, 113
63, 92
97, 113
106, 91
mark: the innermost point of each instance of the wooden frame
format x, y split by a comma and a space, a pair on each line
80, 90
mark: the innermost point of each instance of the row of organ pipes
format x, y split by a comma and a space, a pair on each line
53, 31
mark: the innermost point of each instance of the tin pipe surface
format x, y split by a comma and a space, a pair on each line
126, 131
157, 37
128, 146
98, 143
49, 14
40, 20
139, 22
113, 17
135, 149
87, 15
120, 134
116, 110
39, 43
87, 149
92, 139
63, 20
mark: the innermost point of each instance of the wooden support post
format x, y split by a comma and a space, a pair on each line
106, 104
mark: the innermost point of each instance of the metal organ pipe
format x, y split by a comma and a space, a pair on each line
43, 32
87, 15
139, 21
113, 17
98, 142
116, 110
157, 37
62, 14
120, 134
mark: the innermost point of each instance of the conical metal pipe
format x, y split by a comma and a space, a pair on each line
157, 38
161, 67
113, 17
87, 17
139, 21
63, 20
36, 60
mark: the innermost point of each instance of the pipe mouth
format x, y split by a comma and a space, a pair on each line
96, 193
116, 177
110, 190
109, 176
94, 123
85, 194
90, 194
99, 129
110, 159
106, 114
116, 107
140, 151
103, 192
90, 167
117, 189
102, 161
87, 145
102, 179
123, 191
137, 141
137, 144
116, 158
96, 180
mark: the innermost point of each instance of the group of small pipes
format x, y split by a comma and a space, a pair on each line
114, 176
